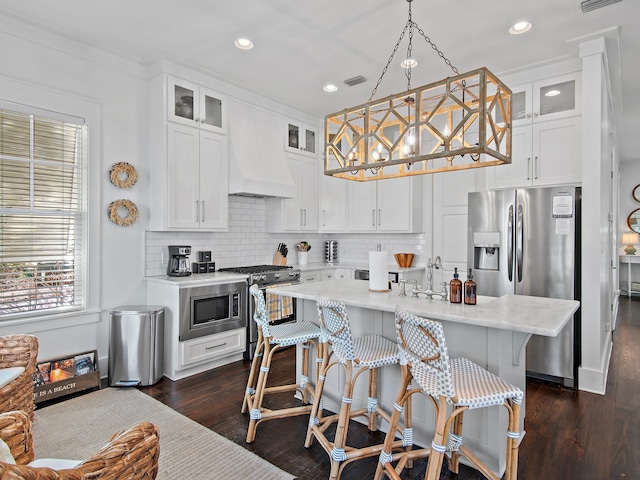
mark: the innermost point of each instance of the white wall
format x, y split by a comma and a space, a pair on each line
33, 60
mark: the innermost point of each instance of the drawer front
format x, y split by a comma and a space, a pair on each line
212, 346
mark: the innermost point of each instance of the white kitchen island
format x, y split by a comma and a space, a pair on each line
493, 333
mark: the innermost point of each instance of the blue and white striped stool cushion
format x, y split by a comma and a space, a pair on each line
293, 333
474, 386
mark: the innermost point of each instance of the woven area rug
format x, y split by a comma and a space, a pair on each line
78, 427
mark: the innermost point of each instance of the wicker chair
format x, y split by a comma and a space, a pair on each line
18, 351
457, 383
270, 339
132, 454
359, 355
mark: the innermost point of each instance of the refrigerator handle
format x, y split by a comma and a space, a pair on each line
519, 241
510, 244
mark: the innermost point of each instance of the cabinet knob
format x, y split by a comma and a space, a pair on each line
528, 115
535, 114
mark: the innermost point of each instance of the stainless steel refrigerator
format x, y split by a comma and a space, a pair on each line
527, 242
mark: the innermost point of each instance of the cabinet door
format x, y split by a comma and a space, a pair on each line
301, 138
557, 152
450, 219
212, 111
518, 172
310, 194
556, 97
394, 205
292, 207
183, 104
362, 210
333, 209
521, 105
214, 187
183, 177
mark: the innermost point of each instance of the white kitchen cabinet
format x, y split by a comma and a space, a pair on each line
333, 204
196, 106
212, 347
189, 357
390, 205
197, 193
308, 276
338, 274
300, 137
548, 99
298, 214
545, 153
189, 182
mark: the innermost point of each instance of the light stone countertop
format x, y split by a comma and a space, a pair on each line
199, 279
520, 313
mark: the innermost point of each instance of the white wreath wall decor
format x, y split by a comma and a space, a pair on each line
132, 212
123, 168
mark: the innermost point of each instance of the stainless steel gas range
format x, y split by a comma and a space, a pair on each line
265, 276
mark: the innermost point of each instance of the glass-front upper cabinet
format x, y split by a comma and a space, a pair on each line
548, 99
195, 105
300, 138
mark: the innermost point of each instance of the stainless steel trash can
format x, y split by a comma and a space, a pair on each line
136, 345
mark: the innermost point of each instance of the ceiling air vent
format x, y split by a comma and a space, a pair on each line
590, 5
356, 80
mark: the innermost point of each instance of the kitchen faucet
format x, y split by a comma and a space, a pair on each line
429, 292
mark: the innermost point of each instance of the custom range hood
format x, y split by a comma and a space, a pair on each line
257, 165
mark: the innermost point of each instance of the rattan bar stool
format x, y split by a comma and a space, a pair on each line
457, 382
356, 356
270, 339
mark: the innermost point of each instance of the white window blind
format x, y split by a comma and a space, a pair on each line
42, 211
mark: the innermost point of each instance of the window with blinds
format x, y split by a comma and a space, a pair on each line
42, 211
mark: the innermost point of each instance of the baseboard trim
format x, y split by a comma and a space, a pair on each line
595, 381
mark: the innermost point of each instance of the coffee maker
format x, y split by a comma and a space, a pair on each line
179, 265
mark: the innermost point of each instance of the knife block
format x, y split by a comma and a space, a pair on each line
278, 259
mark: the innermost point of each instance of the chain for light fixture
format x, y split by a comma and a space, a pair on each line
385, 138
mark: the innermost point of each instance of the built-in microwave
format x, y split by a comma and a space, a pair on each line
206, 310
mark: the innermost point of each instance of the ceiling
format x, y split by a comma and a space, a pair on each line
300, 46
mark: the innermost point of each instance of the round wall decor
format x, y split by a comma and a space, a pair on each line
123, 175
114, 214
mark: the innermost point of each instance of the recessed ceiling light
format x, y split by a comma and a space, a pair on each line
409, 63
552, 93
244, 44
330, 88
520, 27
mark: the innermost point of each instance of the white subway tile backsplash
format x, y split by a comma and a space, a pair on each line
248, 243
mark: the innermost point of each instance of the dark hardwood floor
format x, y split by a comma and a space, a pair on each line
570, 434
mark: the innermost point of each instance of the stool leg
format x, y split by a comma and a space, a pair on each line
340, 439
437, 445
513, 441
456, 430
385, 454
305, 371
253, 373
256, 404
317, 401
373, 393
